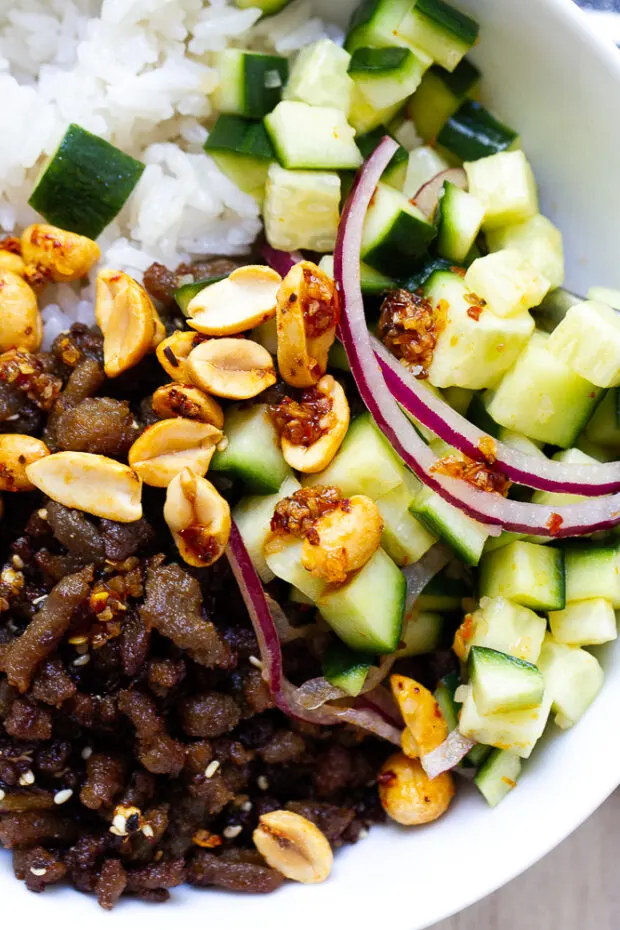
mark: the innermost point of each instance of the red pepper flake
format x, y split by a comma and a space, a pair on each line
474, 313
478, 474
554, 523
456, 269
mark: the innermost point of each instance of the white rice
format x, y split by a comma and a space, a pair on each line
140, 74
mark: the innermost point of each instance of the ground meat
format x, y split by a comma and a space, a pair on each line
158, 752
19, 831
105, 779
161, 283
111, 884
283, 747
75, 532
38, 868
122, 540
228, 872
209, 714
98, 425
409, 326
52, 685
28, 722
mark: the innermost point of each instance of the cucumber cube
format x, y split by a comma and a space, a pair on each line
538, 240
367, 612
460, 219
573, 678
555, 499
517, 732
404, 539
526, 573
395, 232
396, 172
345, 669
302, 209
501, 683
365, 463
421, 633
443, 593
242, 150
542, 397
319, 77
498, 776
593, 573
253, 518
588, 341
603, 427
283, 557
250, 83
503, 625
507, 282
506, 186
364, 117
373, 282
440, 30
439, 96
476, 347
584, 623
424, 164
312, 137
375, 22
387, 76
466, 536
253, 452
472, 133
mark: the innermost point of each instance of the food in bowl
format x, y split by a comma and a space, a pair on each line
272, 566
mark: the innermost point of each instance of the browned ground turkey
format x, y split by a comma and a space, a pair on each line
138, 742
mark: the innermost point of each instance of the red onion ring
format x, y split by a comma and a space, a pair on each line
427, 197
452, 751
282, 262
435, 414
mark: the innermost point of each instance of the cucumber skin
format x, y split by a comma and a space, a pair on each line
344, 668
449, 19
186, 293
238, 135
259, 99
268, 7
474, 133
378, 61
384, 256
462, 80
86, 183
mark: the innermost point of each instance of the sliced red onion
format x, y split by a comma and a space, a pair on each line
367, 713
287, 633
427, 198
282, 262
435, 414
491, 509
452, 751
318, 691
424, 570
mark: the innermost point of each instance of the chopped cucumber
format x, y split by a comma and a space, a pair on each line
517, 732
505, 626
505, 184
426, 267
367, 612
404, 539
538, 240
267, 335
345, 669
439, 96
472, 351
250, 83
498, 776
593, 573
507, 282
542, 397
422, 632
472, 132
573, 678
526, 573
85, 183
584, 623
396, 171
522, 443
501, 683
365, 463
555, 499
319, 77
603, 427
444, 695
302, 209
297, 597
267, 7
387, 76
375, 23
395, 232
253, 518
283, 557
424, 164
253, 452
443, 593
605, 295
459, 398
588, 341
312, 137
459, 221
373, 282
554, 307
440, 30
242, 149
186, 293
466, 536
364, 117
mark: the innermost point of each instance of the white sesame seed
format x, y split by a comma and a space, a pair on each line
2, 794
18, 562
262, 782
83, 660
61, 797
256, 662
42, 514
233, 831
86, 752
120, 823
223, 444
362, 834
39, 600
39, 872
212, 768
246, 807
27, 778
147, 830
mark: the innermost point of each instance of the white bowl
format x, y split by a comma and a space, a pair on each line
549, 75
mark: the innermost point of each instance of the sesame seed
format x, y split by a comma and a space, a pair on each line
27, 778
147, 830
233, 831
61, 797
42, 514
246, 807
262, 782
212, 768
39, 872
2, 794
256, 662
83, 660
39, 600
223, 444
120, 824
86, 752
362, 834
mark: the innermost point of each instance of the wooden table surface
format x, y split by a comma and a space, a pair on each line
576, 887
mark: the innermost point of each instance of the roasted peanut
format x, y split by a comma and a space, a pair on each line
246, 298
185, 400
92, 483
233, 368
198, 518
173, 352
10, 261
128, 321
59, 255
16, 452
308, 311
20, 321
426, 726
316, 456
294, 846
343, 540
408, 795
166, 448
